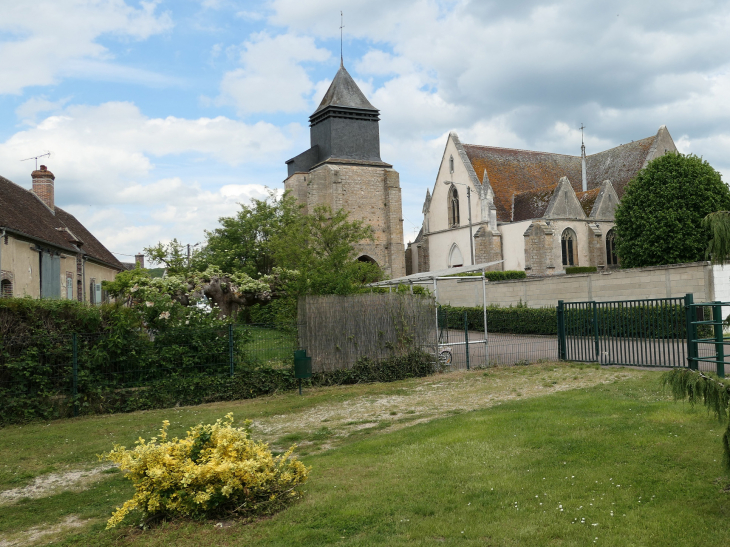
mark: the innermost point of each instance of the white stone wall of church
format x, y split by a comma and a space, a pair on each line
583, 233
721, 282
637, 283
513, 244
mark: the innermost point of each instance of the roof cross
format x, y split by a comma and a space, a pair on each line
582, 127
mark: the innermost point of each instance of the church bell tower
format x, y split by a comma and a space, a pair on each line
343, 169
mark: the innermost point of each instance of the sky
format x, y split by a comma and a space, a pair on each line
162, 116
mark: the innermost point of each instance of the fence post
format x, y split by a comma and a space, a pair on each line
690, 312
230, 348
466, 338
75, 373
595, 332
561, 330
719, 345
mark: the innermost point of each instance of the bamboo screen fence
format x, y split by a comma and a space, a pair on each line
338, 330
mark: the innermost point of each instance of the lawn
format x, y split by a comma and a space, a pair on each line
538, 455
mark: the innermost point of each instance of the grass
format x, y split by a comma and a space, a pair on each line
619, 455
267, 344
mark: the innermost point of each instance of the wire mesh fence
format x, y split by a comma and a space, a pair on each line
463, 338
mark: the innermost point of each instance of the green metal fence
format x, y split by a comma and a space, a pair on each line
663, 332
63, 369
649, 332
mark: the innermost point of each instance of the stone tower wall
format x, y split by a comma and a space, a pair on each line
368, 193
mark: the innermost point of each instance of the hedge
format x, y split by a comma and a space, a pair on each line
19, 404
512, 320
496, 276
569, 270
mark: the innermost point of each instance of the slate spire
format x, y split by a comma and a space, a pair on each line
344, 92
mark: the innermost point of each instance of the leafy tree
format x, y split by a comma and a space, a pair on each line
243, 243
718, 223
174, 255
659, 219
320, 247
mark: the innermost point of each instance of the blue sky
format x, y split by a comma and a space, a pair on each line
162, 116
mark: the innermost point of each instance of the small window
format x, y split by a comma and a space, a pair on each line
569, 247
611, 258
6, 288
451, 164
453, 204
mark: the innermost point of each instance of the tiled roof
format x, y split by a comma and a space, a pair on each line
513, 172
22, 211
343, 91
588, 199
619, 165
532, 203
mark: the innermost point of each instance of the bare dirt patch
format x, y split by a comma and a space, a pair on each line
75, 480
42, 533
436, 397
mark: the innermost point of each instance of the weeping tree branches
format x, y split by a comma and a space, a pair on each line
718, 224
713, 392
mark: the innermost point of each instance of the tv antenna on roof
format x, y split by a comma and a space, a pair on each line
341, 27
36, 159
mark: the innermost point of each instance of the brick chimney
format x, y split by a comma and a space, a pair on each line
139, 260
43, 186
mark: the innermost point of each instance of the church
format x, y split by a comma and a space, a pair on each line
535, 211
343, 169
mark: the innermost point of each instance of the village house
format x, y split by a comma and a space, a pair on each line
535, 211
44, 251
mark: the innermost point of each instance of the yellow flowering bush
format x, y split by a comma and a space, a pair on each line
217, 469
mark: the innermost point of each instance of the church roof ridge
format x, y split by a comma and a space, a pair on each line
519, 150
344, 92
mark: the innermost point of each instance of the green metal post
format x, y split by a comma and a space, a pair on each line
595, 332
75, 374
230, 349
719, 346
561, 330
690, 312
466, 338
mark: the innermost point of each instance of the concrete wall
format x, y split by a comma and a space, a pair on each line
637, 283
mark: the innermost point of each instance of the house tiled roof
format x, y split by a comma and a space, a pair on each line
514, 172
21, 211
532, 203
588, 199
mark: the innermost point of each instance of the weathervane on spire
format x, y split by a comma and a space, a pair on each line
582, 127
341, 27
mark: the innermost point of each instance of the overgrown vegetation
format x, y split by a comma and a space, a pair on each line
659, 219
216, 470
708, 389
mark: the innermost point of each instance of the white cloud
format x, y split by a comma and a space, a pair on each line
272, 78
52, 37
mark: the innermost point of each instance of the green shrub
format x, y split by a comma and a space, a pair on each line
580, 269
496, 276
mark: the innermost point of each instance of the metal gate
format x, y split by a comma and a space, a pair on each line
650, 332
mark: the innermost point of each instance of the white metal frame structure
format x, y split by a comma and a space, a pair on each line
426, 277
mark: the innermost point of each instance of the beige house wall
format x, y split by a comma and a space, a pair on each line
20, 263
513, 244
636, 283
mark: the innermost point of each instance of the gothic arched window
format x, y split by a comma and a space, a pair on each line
453, 203
611, 258
569, 243
455, 257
